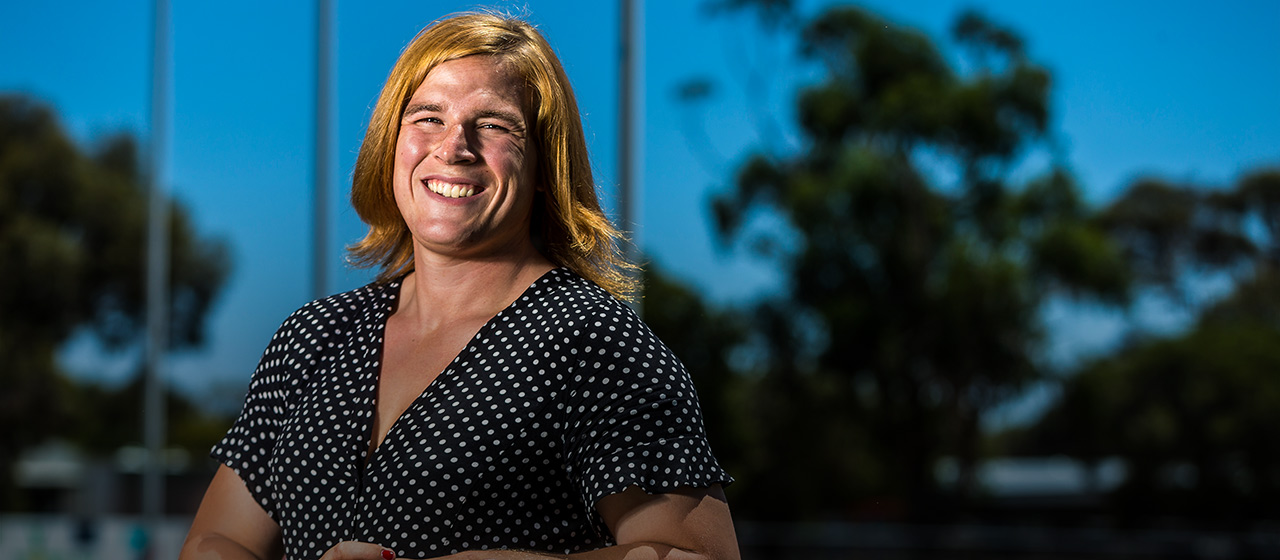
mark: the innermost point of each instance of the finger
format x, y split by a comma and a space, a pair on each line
354, 550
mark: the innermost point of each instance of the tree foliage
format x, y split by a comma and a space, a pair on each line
913, 303
1170, 230
917, 270
1194, 415
72, 232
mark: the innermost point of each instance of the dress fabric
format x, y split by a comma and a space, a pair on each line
562, 398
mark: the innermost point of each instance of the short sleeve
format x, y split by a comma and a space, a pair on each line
248, 445
632, 416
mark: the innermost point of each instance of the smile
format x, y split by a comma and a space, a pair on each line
450, 190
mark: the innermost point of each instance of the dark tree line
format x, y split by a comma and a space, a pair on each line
912, 305
1195, 416
72, 231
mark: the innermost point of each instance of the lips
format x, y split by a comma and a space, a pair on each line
451, 190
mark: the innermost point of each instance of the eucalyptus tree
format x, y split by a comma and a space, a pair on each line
72, 227
917, 266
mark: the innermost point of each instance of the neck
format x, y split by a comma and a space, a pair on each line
441, 290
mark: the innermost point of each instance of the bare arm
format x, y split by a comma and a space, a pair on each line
231, 525
685, 524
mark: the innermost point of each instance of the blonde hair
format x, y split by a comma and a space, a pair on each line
568, 223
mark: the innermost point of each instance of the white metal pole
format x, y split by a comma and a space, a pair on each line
630, 100
323, 139
157, 298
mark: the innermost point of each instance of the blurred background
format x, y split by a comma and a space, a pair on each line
955, 279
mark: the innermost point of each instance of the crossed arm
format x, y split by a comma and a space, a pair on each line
687, 524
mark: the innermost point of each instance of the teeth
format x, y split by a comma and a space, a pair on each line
452, 191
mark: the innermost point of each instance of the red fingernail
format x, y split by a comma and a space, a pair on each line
388, 555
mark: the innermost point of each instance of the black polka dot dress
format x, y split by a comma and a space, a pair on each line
561, 399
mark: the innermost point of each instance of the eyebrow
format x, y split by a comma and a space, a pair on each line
508, 116
420, 107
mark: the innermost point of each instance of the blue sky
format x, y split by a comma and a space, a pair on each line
1170, 88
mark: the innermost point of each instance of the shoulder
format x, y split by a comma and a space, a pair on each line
370, 297
569, 314
594, 325
350, 305
323, 318
566, 293
565, 306
316, 330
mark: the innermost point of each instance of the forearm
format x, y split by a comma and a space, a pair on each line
214, 547
683, 524
230, 525
632, 551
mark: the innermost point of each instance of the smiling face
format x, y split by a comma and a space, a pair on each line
464, 168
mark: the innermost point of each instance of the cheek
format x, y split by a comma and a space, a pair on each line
517, 161
402, 170
411, 147
408, 155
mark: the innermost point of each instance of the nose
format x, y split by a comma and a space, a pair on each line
455, 146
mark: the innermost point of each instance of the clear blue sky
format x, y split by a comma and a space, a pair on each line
1173, 88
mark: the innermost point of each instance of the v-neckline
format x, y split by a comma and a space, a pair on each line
370, 452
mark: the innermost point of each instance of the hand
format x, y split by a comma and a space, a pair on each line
354, 550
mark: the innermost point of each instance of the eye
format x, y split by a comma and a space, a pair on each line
494, 126
429, 120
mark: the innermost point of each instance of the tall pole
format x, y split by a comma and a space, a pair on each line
157, 276
625, 118
628, 88
323, 139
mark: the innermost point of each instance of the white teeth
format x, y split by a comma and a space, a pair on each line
451, 191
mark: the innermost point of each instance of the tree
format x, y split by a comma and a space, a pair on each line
1172, 232
189, 427
72, 230
1193, 415
912, 305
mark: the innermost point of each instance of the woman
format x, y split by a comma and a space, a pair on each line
487, 396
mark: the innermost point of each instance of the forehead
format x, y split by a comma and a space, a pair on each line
476, 76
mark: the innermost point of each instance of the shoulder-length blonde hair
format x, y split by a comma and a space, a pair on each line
568, 223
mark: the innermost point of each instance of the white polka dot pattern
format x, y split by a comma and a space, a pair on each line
561, 399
